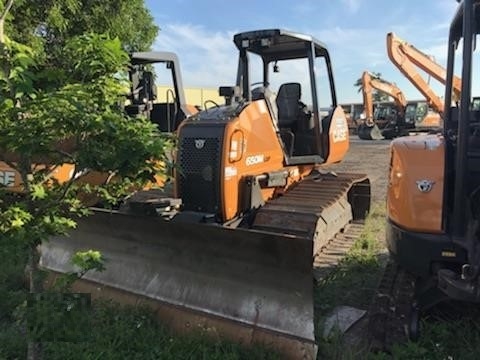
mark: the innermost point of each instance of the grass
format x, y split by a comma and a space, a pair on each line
133, 333
115, 332
130, 333
450, 331
352, 283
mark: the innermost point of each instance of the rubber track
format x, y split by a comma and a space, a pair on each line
389, 312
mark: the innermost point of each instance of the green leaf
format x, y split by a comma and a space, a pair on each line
89, 260
38, 192
17, 223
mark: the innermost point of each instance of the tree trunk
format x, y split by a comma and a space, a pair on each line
3, 15
2, 34
34, 350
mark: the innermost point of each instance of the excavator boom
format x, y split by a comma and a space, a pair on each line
406, 57
367, 96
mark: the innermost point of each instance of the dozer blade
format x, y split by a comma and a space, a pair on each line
254, 286
366, 132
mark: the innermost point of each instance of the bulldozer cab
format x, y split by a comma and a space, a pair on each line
167, 108
293, 74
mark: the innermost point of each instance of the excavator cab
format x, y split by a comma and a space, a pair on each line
462, 164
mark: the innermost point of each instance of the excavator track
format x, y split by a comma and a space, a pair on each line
389, 313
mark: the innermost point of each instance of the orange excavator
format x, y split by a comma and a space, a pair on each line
371, 127
141, 101
390, 122
407, 58
433, 197
252, 213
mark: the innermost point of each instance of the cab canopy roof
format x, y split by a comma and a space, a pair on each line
456, 27
278, 44
151, 57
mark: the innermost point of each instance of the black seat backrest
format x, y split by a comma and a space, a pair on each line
143, 87
288, 104
148, 82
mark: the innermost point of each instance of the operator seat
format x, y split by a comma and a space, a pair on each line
149, 91
288, 104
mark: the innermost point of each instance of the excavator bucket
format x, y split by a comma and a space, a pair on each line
254, 285
367, 132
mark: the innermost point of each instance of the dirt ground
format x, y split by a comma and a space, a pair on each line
371, 158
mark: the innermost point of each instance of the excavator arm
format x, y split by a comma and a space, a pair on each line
391, 90
369, 83
406, 58
369, 130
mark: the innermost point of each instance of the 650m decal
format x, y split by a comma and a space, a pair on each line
254, 159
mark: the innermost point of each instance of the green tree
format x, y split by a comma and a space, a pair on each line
76, 123
55, 21
47, 25
376, 95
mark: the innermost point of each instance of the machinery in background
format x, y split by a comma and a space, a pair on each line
407, 58
374, 122
388, 121
433, 197
141, 101
252, 213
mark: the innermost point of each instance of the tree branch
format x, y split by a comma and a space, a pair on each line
3, 15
